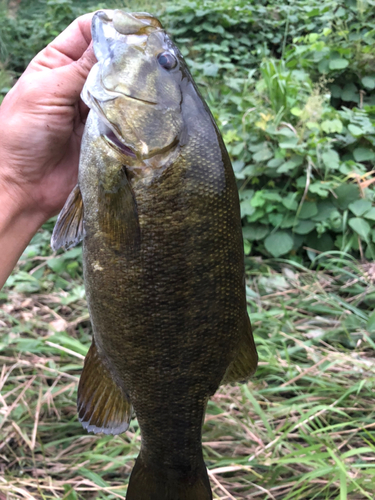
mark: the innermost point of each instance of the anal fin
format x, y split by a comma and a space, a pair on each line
69, 230
102, 405
246, 360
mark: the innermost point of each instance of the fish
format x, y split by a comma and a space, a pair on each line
157, 209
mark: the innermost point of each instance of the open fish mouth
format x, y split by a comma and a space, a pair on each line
112, 28
109, 131
111, 138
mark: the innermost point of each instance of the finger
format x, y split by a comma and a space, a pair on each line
75, 74
69, 46
57, 88
70, 79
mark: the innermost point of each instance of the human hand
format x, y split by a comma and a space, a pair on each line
42, 121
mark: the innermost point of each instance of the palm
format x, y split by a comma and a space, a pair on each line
41, 159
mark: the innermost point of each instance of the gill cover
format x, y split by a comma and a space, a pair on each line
135, 85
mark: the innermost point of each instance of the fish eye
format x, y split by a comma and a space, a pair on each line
167, 60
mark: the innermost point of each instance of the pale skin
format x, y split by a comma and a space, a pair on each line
41, 124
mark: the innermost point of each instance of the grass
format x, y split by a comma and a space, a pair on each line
303, 428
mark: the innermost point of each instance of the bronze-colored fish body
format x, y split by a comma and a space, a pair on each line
163, 268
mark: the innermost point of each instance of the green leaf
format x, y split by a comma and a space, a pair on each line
331, 159
263, 154
370, 214
368, 82
304, 226
363, 154
323, 244
308, 210
371, 323
275, 162
271, 195
335, 91
325, 208
279, 243
290, 202
295, 161
296, 111
94, 477
258, 200
255, 232
356, 131
359, 207
361, 227
69, 493
320, 188
346, 193
289, 142
339, 63
246, 247
210, 69
323, 66
332, 126
246, 208
350, 93
57, 264
275, 218
288, 221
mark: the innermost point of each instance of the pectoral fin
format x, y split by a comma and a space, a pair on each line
118, 215
102, 405
69, 230
246, 360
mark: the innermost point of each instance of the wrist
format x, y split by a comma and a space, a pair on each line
17, 227
17, 206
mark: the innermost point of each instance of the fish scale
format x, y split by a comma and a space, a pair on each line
163, 256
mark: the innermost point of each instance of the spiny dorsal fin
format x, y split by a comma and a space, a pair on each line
102, 405
246, 360
68, 230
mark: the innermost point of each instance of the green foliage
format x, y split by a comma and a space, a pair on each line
292, 86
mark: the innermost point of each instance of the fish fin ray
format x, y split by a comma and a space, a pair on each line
246, 359
118, 215
101, 404
69, 230
152, 482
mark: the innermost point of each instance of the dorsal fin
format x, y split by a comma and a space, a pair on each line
102, 405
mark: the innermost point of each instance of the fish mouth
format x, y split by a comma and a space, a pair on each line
109, 131
153, 103
114, 142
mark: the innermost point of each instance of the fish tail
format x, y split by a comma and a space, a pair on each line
148, 482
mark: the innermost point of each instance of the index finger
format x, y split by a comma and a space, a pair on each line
75, 39
66, 47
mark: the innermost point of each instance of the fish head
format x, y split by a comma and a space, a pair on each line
136, 85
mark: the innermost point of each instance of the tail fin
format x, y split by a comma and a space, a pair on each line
153, 483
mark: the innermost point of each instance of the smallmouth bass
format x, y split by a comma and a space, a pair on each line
157, 208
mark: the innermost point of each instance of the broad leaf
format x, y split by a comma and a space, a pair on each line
279, 243
361, 227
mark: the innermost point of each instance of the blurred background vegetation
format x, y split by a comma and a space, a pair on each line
292, 87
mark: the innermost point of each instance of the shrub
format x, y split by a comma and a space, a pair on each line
292, 86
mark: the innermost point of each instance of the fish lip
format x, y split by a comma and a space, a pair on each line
125, 150
140, 100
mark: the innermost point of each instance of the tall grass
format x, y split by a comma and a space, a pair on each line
303, 428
